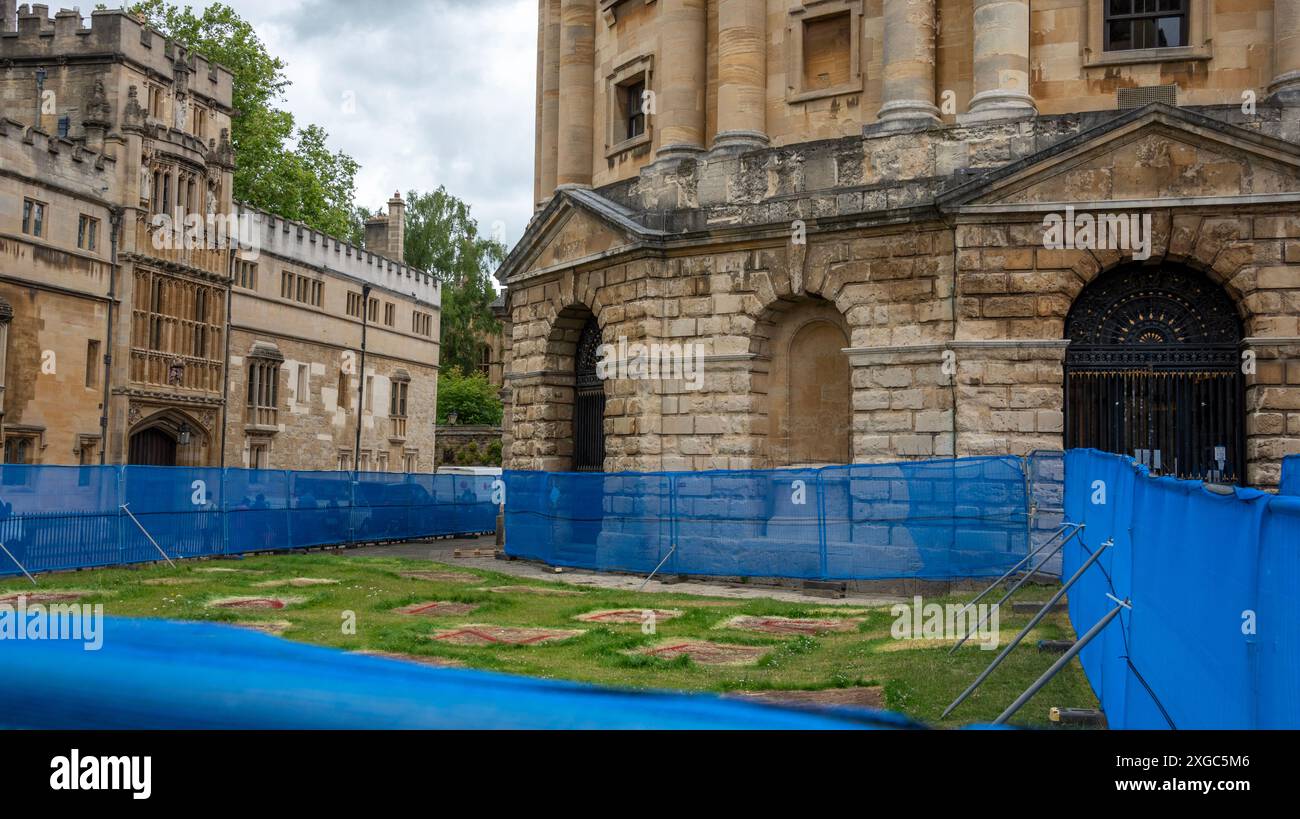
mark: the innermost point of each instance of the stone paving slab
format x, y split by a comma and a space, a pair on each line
439, 608
629, 616
704, 652
418, 659
487, 635
255, 603
793, 625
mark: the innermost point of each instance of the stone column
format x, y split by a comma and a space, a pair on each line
1286, 50
909, 65
679, 120
550, 80
1001, 61
742, 75
577, 75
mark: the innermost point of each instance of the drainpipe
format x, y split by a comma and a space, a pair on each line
361, 379
115, 225
225, 386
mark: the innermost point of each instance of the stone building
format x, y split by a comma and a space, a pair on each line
911, 229
148, 317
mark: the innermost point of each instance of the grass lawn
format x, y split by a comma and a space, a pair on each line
918, 678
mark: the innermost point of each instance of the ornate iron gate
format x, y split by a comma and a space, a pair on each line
1154, 372
588, 404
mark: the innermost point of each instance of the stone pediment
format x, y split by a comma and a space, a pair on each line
577, 226
1158, 154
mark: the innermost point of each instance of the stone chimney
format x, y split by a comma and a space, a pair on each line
8, 15
397, 228
376, 237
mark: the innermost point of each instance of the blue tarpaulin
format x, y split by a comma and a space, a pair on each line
1291, 475
56, 518
1213, 637
153, 675
967, 518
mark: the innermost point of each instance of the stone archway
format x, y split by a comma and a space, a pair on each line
1153, 371
169, 438
810, 396
571, 397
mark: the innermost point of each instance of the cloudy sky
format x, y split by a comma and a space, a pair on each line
443, 90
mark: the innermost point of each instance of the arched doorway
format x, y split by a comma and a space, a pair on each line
588, 402
809, 400
153, 447
1153, 371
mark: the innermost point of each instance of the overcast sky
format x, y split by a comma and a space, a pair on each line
443, 90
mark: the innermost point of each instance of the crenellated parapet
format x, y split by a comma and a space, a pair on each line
64, 39
55, 160
292, 240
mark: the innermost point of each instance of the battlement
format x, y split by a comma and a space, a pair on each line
40, 38
39, 143
294, 240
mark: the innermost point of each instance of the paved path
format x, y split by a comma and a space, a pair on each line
441, 551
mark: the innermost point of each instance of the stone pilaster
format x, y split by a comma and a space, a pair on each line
742, 75
577, 92
1001, 61
683, 77
1286, 50
909, 67
550, 82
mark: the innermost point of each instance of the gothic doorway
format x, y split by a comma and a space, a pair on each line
153, 447
588, 403
1153, 371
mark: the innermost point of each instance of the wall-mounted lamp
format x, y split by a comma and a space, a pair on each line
183, 435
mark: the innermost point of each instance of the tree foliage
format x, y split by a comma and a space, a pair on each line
444, 239
471, 397
280, 167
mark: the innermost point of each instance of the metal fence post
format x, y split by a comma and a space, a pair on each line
823, 558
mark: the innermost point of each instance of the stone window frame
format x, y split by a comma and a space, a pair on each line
800, 16
1199, 39
641, 67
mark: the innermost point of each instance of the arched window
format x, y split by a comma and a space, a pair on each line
1153, 371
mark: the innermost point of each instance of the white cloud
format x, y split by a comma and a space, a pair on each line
443, 89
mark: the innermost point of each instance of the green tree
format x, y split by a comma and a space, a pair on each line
471, 397
280, 167
444, 239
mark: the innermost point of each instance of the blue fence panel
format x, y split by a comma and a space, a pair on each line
60, 518
1291, 475
1211, 640
940, 519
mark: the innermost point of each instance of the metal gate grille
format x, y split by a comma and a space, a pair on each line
1153, 371
589, 404
1184, 424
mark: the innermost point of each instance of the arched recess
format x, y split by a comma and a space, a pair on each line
1153, 371
577, 397
169, 438
810, 395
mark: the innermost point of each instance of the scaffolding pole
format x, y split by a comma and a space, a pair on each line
126, 508
1061, 663
20, 566
1037, 618
1017, 587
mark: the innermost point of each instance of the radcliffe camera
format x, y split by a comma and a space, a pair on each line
370, 370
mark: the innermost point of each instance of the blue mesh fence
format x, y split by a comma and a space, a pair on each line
58, 518
949, 519
1213, 636
1291, 475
